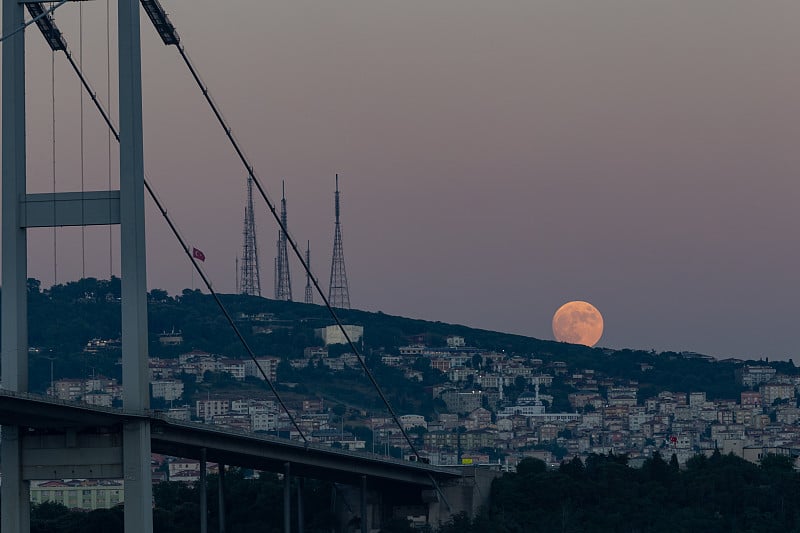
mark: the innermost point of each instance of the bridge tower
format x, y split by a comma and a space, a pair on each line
283, 281
249, 275
338, 292
21, 211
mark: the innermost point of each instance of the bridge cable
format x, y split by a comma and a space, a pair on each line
275, 215
292, 242
83, 151
33, 20
108, 89
176, 232
53, 107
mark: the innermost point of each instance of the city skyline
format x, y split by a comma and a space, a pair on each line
496, 161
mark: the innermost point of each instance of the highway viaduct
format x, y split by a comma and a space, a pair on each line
69, 440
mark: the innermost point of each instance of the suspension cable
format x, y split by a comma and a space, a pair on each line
53, 102
186, 249
108, 89
292, 242
83, 182
283, 228
33, 20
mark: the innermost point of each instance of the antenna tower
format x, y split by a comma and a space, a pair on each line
309, 291
249, 278
338, 292
283, 282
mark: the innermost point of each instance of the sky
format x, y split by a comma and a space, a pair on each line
496, 159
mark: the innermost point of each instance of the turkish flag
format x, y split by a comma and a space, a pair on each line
198, 254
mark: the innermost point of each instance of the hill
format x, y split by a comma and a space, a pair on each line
65, 317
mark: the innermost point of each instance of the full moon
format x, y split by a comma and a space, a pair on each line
578, 323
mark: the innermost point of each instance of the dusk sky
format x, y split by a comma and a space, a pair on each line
496, 159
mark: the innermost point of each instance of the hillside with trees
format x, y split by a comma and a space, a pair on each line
65, 317
716, 494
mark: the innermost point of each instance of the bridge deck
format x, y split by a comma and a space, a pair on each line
229, 446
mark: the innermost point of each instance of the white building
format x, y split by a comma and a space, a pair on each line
180, 413
234, 367
268, 364
776, 391
168, 389
410, 421
750, 376
334, 335
263, 421
412, 350
456, 342
79, 494
100, 399
207, 409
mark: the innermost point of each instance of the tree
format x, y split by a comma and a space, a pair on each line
531, 467
158, 296
421, 364
777, 463
477, 361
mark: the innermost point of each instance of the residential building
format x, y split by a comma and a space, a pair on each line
207, 409
268, 364
86, 495
168, 389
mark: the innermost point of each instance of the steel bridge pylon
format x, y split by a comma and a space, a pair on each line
21, 211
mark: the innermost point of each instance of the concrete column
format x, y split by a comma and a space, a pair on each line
132, 229
364, 504
15, 507
221, 498
203, 493
287, 498
333, 503
301, 524
138, 478
16, 497
136, 436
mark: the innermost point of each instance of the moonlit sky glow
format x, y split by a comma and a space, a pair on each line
496, 158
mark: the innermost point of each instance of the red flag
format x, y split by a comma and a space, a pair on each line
198, 254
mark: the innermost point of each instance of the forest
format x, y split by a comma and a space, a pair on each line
712, 494
721, 493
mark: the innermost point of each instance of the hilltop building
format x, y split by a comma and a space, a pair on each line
334, 335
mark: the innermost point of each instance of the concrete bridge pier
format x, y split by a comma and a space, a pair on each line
432, 506
463, 495
287, 498
203, 493
221, 498
301, 524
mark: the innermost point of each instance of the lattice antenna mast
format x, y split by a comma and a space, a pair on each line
283, 281
249, 273
309, 299
338, 292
